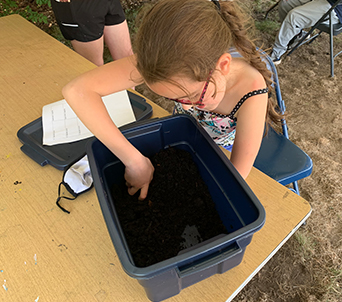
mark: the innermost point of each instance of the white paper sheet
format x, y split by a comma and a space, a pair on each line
61, 125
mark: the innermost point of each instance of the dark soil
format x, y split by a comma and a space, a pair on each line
177, 213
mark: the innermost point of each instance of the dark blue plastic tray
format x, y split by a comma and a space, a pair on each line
62, 155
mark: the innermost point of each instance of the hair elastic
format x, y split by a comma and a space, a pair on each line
217, 4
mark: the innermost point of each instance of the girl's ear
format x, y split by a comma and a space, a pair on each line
223, 63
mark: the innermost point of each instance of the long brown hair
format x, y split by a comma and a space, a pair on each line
187, 37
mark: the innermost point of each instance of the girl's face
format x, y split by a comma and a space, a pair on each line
201, 94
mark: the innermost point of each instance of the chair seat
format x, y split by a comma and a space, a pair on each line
337, 28
281, 159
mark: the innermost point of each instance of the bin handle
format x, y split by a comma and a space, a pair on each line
210, 260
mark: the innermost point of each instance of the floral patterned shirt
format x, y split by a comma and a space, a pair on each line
220, 127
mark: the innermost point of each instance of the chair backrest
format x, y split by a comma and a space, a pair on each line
276, 86
278, 157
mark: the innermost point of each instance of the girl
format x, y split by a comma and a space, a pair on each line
182, 53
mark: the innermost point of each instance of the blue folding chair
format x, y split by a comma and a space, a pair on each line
278, 157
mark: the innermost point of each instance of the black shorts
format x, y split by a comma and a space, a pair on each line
84, 20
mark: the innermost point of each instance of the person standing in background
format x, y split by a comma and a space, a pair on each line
88, 24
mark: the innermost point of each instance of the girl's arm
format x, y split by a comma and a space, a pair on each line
249, 132
84, 96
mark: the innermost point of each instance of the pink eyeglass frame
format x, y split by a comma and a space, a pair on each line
188, 102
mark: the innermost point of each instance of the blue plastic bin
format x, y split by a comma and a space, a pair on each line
239, 209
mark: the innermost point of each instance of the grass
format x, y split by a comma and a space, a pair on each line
131, 15
334, 286
306, 244
267, 26
261, 6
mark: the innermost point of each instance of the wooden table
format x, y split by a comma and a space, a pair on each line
48, 255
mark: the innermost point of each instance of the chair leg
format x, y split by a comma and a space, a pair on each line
295, 187
331, 49
313, 38
303, 41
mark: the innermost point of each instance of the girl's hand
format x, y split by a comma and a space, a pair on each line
139, 176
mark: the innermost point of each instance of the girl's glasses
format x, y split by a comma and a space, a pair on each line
188, 102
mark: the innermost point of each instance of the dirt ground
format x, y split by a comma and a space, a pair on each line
309, 266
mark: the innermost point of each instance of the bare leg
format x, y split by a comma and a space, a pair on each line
118, 40
93, 50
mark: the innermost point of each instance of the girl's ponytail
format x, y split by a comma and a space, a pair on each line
236, 22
